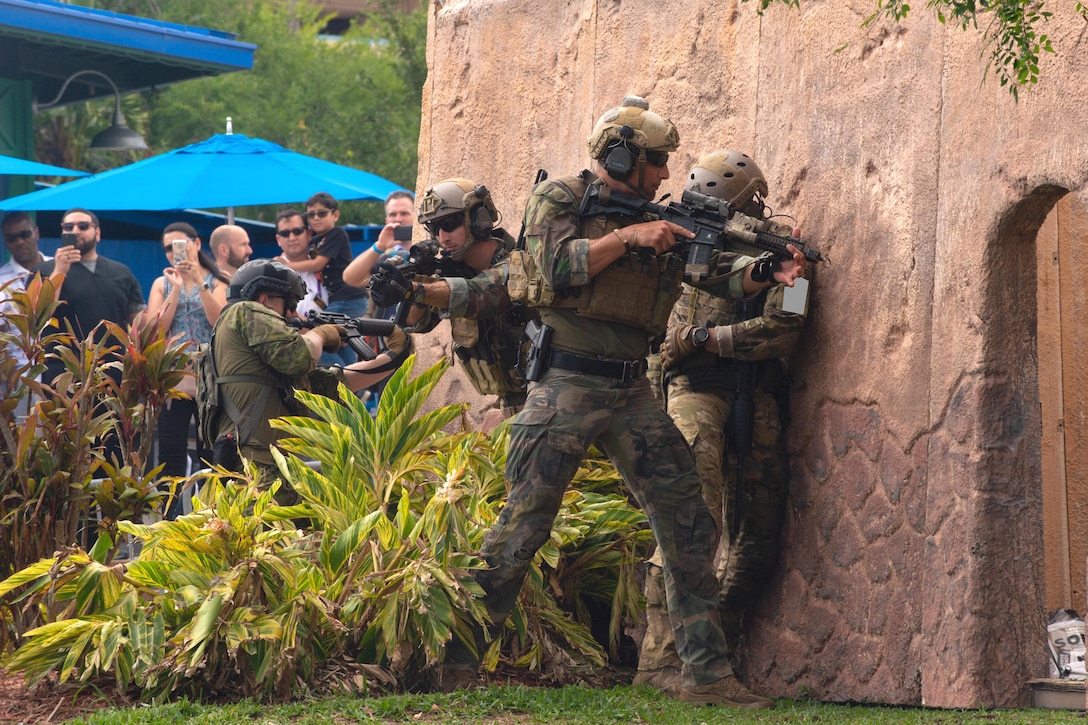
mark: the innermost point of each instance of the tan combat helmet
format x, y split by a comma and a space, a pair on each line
463, 199
630, 133
729, 175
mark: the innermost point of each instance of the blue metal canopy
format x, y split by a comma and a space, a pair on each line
45, 42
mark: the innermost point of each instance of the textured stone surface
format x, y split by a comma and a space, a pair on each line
912, 571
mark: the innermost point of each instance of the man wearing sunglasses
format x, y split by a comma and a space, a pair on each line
486, 328
603, 286
21, 240
294, 239
95, 288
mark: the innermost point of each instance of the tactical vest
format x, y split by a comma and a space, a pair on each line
489, 351
636, 283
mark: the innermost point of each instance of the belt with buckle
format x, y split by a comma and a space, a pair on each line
626, 371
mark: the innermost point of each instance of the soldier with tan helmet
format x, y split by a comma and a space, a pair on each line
486, 327
603, 287
714, 346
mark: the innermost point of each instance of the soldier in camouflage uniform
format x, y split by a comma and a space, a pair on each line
701, 375
487, 329
260, 360
604, 286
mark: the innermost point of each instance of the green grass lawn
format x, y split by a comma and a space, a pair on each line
510, 705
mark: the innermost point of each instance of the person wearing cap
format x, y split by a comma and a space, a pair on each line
603, 286
260, 361
721, 356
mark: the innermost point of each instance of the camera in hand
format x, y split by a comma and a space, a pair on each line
69, 239
403, 233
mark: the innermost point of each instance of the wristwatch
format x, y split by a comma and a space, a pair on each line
699, 336
418, 293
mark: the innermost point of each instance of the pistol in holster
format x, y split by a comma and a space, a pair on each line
536, 359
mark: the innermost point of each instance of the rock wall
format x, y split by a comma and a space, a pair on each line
912, 569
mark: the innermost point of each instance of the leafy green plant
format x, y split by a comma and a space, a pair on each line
235, 600
52, 432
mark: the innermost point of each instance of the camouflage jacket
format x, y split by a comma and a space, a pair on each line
641, 287
486, 327
251, 339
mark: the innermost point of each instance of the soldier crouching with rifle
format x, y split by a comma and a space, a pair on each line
461, 274
603, 285
726, 389
259, 360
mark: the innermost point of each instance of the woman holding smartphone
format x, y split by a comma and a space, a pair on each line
190, 294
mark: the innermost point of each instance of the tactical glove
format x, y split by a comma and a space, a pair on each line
388, 285
330, 336
677, 346
398, 345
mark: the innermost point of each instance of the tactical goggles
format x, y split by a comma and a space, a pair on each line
657, 158
70, 226
289, 303
447, 224
297, 231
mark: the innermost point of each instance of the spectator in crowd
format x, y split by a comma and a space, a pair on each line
330, 254
94, 289
230, 245
399, 210
294, 239
189, 296
21, 240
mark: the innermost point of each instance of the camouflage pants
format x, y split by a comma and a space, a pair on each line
744, 562
565, 413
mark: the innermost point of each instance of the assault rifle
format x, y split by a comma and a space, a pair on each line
708, 217
357, 327
424, 258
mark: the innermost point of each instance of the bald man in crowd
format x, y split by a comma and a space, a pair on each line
230, 245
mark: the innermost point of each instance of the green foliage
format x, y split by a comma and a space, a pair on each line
572, 705
52, 450
1012, 30
235, 600
354, 100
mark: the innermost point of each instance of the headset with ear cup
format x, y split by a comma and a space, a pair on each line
481, 220
619, 160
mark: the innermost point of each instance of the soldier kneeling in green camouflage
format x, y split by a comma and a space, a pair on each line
260, 360
722, 357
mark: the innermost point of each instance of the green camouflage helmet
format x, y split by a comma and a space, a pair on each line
461, 197
729, 175
646, 130
265, 275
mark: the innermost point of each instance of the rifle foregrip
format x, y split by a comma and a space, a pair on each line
376, 327
776, 245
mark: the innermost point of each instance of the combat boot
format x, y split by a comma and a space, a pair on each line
727, 691
666, 679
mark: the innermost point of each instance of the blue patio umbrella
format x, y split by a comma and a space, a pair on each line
13, 166
226, 170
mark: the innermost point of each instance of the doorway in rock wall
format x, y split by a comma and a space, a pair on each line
1063, 394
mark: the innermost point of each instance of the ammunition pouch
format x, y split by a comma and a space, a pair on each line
488, 357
